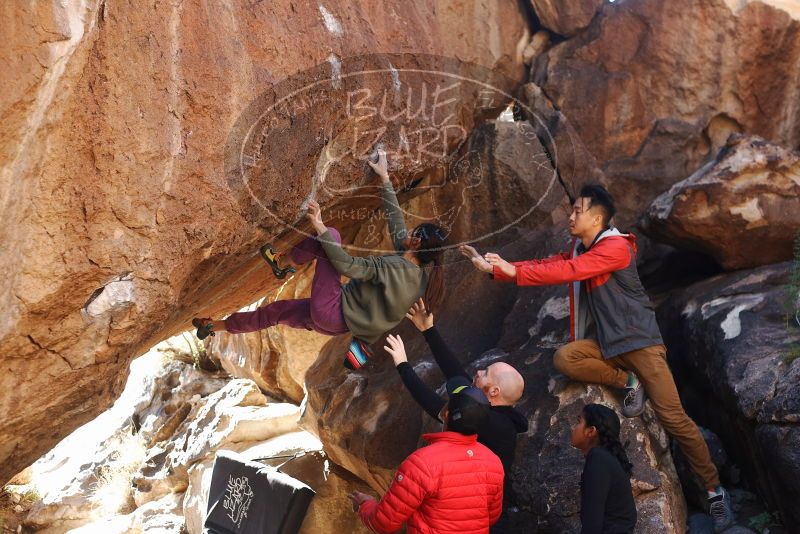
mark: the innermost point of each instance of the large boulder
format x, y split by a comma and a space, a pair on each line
163, 516
734, 343
655, 88
120, 221
368, 422
568, 154
146, 463
742, 208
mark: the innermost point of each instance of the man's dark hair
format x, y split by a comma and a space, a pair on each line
599, 197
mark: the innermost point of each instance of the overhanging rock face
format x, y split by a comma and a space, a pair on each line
119, 125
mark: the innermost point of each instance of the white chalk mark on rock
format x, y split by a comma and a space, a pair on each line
330, 21
336, 71
117, 294
395, 77
555, 307
732, 324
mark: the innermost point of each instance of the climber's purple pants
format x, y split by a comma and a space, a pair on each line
322, 312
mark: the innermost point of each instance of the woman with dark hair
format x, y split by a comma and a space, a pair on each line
380, 291
607, 505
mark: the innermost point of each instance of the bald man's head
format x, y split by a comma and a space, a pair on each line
501, 383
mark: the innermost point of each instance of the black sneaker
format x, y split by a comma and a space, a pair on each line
633, 403
204, 327
719, 508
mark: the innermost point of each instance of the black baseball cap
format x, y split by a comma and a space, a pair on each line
467, 406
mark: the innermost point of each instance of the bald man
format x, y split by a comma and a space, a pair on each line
500, 382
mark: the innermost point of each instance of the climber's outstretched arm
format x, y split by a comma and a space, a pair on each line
347, 265
394, 215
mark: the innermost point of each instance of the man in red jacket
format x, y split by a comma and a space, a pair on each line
614, 337
453, 485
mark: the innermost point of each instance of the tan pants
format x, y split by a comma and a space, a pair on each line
581, 360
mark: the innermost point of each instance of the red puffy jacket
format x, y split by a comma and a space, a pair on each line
454, 485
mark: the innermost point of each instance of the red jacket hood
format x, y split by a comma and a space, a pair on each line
614, 233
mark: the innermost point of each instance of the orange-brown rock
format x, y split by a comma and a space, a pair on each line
275, 358
742, 209
654, 88
120, 222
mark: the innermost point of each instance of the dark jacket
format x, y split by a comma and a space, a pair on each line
607, 505
607, 300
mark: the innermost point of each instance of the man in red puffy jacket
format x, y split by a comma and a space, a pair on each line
453, 485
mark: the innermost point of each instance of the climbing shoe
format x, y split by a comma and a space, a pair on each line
271, 257
358, 353
204, 327
719, 508
633, 403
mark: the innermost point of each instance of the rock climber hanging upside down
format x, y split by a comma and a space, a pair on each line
381, 288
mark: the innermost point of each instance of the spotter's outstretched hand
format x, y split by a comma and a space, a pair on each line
396, 348
477, 260
357, 499
496, 261
422, 318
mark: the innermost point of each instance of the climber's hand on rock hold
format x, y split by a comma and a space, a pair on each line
477, 260
396, 348
496, 261
418, 315
381, 167
314, 216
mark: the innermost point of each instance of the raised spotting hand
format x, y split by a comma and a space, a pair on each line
477, 260
396, 349
418, 315
496, 261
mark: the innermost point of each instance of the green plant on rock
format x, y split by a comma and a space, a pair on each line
197, 349
30, 496
762, 522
